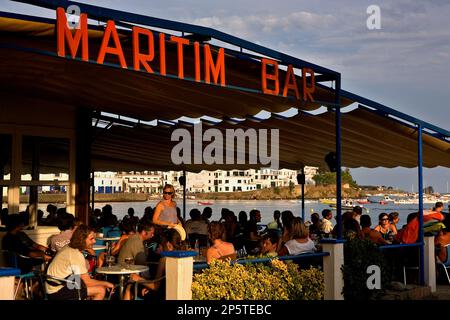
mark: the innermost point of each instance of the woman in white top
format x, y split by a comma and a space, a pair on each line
300, 241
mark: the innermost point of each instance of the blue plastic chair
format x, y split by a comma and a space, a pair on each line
445, 264
11, 259
52, 280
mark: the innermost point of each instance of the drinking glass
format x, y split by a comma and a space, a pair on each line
110, 260
128, 262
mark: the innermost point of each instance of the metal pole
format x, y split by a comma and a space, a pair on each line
303, 193
420, 173
92, 190
184, 195
338, 158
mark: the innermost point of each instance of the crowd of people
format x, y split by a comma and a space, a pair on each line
70, 253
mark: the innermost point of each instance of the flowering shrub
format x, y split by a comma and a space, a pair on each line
277, 281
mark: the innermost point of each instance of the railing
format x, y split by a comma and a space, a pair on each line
303, 256
403, 245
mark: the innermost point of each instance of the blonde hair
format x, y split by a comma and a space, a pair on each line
298, 229
169, 186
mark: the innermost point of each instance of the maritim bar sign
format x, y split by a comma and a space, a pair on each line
143, 57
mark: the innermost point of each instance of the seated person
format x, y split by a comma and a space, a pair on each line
300, 241
369, 233
433, 220
70, 264
286, 217
171, 241
251, 236
197, 229
327, 225
270, 244
19, 242
315, 228
441, 241
134, 246
393, 220
127, 228
387, 230
219, 249
410, 232
66, 225
276, 223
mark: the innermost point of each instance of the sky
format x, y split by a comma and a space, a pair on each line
405, 64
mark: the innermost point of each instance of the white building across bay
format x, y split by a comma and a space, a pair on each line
151, 182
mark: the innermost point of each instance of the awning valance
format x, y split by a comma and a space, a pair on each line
368, 140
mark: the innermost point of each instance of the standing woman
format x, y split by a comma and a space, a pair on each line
165, 213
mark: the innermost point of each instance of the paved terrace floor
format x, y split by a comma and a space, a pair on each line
414, 292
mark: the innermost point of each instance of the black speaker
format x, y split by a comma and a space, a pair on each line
182, 180
301, 178
331, 161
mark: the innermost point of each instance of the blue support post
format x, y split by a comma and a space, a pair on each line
303, 193
420, 173
338, 159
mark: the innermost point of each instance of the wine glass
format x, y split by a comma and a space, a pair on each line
109, 259
128, 262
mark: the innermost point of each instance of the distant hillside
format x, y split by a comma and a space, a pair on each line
99, 197
311, 192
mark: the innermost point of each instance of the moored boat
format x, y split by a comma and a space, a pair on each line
204, 203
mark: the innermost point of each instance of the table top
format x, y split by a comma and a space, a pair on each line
108, 238
99, 247
122, 269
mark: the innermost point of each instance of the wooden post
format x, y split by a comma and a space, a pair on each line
16, 170
35, 170
83, 163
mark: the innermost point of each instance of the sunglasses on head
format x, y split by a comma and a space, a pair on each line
165, 192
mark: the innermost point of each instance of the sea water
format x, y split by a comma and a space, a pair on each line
267, 207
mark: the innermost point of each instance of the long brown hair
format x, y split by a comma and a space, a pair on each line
216, 230
79, 236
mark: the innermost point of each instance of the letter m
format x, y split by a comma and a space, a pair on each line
217, 69
73, 40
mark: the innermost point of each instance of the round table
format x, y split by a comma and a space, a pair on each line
99, 248
108, 241
122, 271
